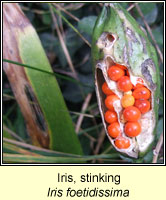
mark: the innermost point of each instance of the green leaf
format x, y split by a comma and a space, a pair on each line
20, 125
46, 18
70, 25
48, 72
87, 24
149, 11
127, 159
7, 134
16, 158
148, 157
124, 5
72, 91
159, 128
19, 158
40, 155
158, 34
48, 120
161, 106
60, 127
72, 40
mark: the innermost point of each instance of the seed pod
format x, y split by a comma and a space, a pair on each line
119, 40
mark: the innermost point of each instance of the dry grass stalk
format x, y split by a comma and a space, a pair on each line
84, 107
66, 52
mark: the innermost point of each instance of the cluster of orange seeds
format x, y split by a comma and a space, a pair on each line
135, 102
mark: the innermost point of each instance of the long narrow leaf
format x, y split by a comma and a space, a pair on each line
18, 147
17, 158
47, 124
47, 72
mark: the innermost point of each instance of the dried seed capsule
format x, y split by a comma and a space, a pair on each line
117, 38
127, 73
139, 83
121, 66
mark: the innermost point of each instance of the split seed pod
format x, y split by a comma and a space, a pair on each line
118, 39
